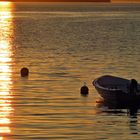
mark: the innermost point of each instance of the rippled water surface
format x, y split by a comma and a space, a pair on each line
64, 45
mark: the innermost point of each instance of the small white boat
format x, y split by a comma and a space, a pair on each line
116, 89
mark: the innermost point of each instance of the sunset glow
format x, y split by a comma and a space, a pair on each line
4, 3
5, 67
7, 3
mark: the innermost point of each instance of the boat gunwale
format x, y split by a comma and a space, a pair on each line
96, 84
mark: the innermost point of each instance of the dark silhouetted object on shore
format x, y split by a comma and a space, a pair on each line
24, 72
84, 90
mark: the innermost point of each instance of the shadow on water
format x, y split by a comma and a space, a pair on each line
131, 110
84, 95
133, 122
114, 107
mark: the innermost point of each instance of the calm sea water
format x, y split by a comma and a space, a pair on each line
65, 45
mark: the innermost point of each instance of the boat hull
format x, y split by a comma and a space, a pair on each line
117, 96
119, 99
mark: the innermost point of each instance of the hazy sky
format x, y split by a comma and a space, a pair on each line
114, 1
65, 0
125, 1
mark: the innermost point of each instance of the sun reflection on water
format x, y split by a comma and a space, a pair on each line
5, 68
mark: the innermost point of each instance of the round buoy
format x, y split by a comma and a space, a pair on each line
24, 72
84, 90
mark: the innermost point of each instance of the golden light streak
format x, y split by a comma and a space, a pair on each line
5, 67
5, 3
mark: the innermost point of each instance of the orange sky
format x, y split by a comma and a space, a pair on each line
127, 1
113, 1
60, 0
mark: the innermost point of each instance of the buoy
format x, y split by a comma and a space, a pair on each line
84, 89
24, 72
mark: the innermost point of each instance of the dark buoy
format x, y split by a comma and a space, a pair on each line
84, 90
24, 72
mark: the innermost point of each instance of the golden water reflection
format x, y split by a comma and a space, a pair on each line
6, 33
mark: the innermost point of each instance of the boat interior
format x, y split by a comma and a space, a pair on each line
114, 83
